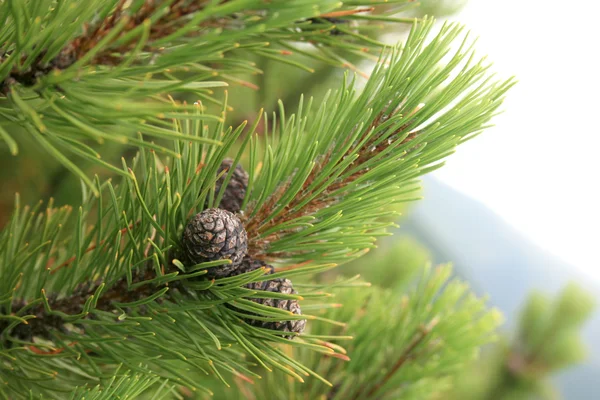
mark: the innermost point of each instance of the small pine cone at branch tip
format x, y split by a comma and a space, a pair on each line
283, 286
215, 234
235, 192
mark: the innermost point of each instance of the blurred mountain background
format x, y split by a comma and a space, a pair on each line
499, 261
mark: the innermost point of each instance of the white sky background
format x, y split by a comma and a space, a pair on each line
538, 168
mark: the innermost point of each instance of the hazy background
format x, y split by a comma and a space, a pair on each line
538, 168
519, 207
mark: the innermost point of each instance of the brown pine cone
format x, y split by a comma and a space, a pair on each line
215, 234
279, 285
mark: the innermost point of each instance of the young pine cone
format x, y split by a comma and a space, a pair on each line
273, 285
234, 194
278, 285
215, 234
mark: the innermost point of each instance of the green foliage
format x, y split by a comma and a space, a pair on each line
77, 73
547, 340
110, 240
392, 264
408, 347
368, 149
125, 386
97, 297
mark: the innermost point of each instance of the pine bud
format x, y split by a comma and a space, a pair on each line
215, 234
235, 192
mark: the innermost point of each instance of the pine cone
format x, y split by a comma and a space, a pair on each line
234, 194
215, 234
279, 286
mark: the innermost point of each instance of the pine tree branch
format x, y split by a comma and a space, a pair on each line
118, 281
164, 25
366, 150
54, 318
297, 208
135, 225
60, 81
160, 18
